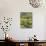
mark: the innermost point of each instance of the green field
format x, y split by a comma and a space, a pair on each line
26, 19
